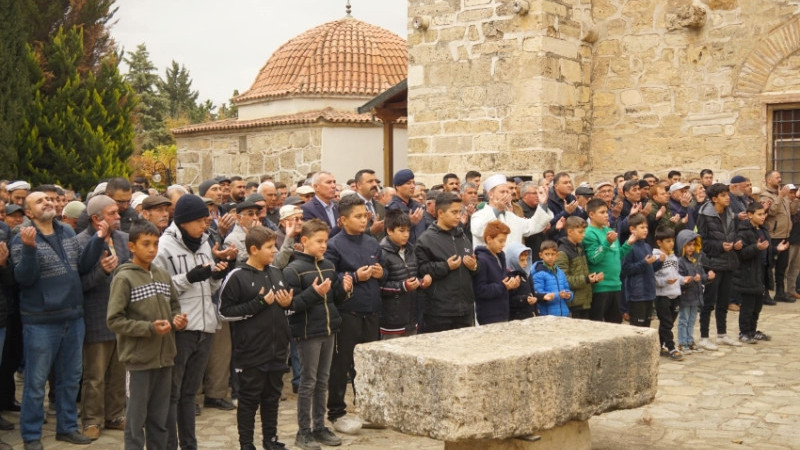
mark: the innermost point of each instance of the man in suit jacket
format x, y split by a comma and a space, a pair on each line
322, 206
367, 189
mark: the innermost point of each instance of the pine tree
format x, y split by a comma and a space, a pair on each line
77, 129
151, 130
14, 87
176, 88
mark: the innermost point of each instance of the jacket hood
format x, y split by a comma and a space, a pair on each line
683, 238
130, 267
174, 231
388, 245
513, 252
708, 210
538, 266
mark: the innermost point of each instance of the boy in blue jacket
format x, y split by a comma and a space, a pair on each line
550, 281
639, 267
357, 254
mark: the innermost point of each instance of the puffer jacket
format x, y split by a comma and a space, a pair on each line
714, 230
572, 261
689, 266
138, 298
750, 277
195, 298
399, 305
313, 315
260, 332
551, 280
491, 295
519, 308
451, 293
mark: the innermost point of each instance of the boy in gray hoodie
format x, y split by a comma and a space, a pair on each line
668, 291
143, 309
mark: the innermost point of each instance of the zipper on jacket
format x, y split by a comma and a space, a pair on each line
325, 301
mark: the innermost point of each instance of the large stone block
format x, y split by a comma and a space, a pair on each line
506, 380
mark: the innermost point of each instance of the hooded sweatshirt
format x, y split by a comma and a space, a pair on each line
519, 308
491, 295
138, 298
668, 271
689, 266
195, 298
605, 257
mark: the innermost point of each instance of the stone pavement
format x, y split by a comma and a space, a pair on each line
746, 397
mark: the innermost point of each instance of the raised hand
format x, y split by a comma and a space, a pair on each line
762, 244
426, 281
161, 327
672, 281
415, 216
28, 236
269, 297
711, 275
531, 300
180, 321
3, 254
411, 284
376, 270
571, 207
549, 297
364, 273
611, 236
783, 246
727, 246
454, 262
541, 192
347, 282
109, 262
738, 245
227, 254
564, 294
560, 224
284, 297
650, 259
660, 213
470, 262
102, 229
323, 288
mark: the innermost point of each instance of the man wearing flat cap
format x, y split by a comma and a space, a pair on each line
155, 209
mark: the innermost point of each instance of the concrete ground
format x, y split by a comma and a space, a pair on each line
745, 397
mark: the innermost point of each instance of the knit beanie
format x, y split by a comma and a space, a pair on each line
205, 186
97, 204
188, 208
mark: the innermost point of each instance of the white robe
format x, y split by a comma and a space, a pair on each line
520, 226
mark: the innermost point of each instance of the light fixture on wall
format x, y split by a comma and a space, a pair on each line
421, 23
521, 7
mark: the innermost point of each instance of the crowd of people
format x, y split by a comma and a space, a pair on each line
208, 297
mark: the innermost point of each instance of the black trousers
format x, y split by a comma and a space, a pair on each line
640, 313
258, 388
605, 307
187, 377
667, 311
435, 324
12, 357
716, 296
749, 312
580, 313
356, 329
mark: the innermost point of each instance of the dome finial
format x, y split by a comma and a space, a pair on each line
347, 8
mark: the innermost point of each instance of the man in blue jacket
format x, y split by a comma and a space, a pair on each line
321, 206
47, 266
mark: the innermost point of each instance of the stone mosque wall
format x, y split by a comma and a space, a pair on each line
598, 86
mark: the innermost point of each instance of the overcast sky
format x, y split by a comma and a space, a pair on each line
224, 44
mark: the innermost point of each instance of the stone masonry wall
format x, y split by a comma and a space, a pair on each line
498, 91
287, 153
687, 84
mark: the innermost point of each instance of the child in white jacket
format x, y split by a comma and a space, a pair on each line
668, 291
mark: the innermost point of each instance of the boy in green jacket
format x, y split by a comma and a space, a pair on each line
143, 309
604, 255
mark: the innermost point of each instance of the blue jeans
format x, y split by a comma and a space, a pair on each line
687, 316
60, 347
294, 358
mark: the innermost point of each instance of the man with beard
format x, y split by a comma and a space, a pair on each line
155, 209
103, 394
237, 189
48, 263
119, 189
451, 183
367, 189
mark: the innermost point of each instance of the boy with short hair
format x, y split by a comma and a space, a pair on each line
639, 266
668, 291
550, 281
398, 317
253, 298
357, 254
572, 261
604, 255
491, 282
314, 322
143, 309
750, 278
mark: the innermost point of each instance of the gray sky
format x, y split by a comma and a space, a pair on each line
225, 43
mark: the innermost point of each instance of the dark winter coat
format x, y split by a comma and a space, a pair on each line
348, 253
411, 206
491, 295
750, 276
556, 205
640, 279
6, 280
259, 332
519, 308
451, 293
691, 292
572, 261
398, 303
714, 230
313, 315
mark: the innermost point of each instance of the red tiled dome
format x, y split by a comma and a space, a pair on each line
344, 57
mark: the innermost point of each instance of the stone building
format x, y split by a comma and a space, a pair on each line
300, 113
596, 87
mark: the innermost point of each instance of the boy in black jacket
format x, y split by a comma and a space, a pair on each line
399, 289
356, 254
314, 322
445, 253
751, 276
253, 298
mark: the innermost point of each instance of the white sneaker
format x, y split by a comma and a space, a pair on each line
724, 339
347, 424
706, 344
